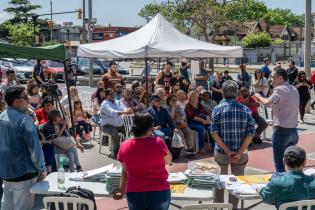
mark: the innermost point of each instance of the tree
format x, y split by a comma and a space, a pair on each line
246, 10
21, 34
283, 17
260, 39
21, 9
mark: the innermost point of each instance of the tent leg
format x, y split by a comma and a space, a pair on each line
147, 79
68, 91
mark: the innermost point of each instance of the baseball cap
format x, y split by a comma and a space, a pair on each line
204, 91
295, 152
155, 97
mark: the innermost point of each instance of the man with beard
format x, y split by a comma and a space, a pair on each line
112, 77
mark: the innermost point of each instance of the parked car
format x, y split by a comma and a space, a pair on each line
54, 70
83, 67
105, 67
24, 69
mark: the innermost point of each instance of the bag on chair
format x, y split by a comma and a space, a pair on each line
64, 142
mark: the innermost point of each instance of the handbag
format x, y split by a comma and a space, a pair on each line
64, 142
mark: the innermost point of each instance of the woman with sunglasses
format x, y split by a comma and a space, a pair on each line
303, 84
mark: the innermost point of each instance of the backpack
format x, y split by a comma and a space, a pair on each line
77, 192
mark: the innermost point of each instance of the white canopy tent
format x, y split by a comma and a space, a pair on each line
157, 39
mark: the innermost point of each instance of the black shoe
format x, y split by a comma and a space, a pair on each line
257, 140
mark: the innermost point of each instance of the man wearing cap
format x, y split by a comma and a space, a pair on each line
293, 185
206, 101
185, 70
163, 124
285, 107
244, 78
265, 68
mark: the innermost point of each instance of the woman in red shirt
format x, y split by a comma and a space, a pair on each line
144, 176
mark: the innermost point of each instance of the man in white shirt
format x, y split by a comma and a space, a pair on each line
111, 120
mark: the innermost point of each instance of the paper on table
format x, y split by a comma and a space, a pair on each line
243, 189
87, 174
310, 172
255, 179
176, 177
178, 188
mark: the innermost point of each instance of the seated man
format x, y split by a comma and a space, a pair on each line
163, 124
111, 120
251, 102
293, 185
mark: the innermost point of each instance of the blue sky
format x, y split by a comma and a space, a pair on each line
124, 12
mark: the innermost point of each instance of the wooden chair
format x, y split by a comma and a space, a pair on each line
68, 200
298, 205
209, 206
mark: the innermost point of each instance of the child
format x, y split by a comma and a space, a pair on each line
81, 120
54, 128
33, 95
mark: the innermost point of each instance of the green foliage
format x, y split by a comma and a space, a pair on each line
21, 9
283, 17
277, 42
246, 10
260, 39
21, 34
4, 30
53, 42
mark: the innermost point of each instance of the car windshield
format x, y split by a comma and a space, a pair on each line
24, 63
85, 63
54, 64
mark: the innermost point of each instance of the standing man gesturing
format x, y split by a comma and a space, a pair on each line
285, 107
21, 155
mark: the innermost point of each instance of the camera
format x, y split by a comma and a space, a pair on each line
52, 90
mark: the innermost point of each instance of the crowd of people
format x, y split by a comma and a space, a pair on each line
212, 113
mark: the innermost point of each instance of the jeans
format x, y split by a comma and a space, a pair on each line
282, 138
72, 155
261, 125
164, 133
1, 191
154, 200
17, 196
201, 133
114, 132
96, 119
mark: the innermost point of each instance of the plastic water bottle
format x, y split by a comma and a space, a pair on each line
61, 175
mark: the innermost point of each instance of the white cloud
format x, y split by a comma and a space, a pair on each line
5, 16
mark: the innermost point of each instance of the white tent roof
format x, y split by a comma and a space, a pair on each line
157, 39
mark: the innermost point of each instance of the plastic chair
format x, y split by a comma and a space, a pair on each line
209, 206
128, 122
68, 200
109, 138
298, 204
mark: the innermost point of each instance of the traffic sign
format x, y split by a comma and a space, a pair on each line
90, 27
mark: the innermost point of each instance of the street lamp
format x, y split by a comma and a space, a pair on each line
51, 20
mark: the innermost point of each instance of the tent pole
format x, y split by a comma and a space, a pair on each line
147, 79
68, 91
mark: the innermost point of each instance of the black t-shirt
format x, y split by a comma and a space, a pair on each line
38, 71
180, 81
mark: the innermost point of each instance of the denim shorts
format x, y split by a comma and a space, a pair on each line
153, 200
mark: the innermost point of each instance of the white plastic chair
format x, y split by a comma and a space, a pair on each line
209, 206
109, 138
66, 200
128, 122
298, 204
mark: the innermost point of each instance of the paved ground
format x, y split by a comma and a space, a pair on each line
260, 162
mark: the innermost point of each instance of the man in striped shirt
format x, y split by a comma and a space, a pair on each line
232, 128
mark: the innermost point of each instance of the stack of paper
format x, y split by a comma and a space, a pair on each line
112, 178
201, 179
176, 178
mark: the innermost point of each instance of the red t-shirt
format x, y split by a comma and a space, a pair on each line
252, 99
145, 165
42, 116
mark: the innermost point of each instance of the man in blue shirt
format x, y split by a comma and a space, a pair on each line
293, 185
163, 124
232, 129
21, 156
201, 79
265, 68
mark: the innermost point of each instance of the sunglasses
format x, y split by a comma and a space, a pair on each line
175, 73
243, 90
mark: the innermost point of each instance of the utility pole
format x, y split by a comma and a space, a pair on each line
51, 30
83, 25
90, 40
307, 39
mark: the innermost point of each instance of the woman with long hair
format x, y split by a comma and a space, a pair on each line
260, 83
216, 88
81, 120
144, 175
303, 85
97, 101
